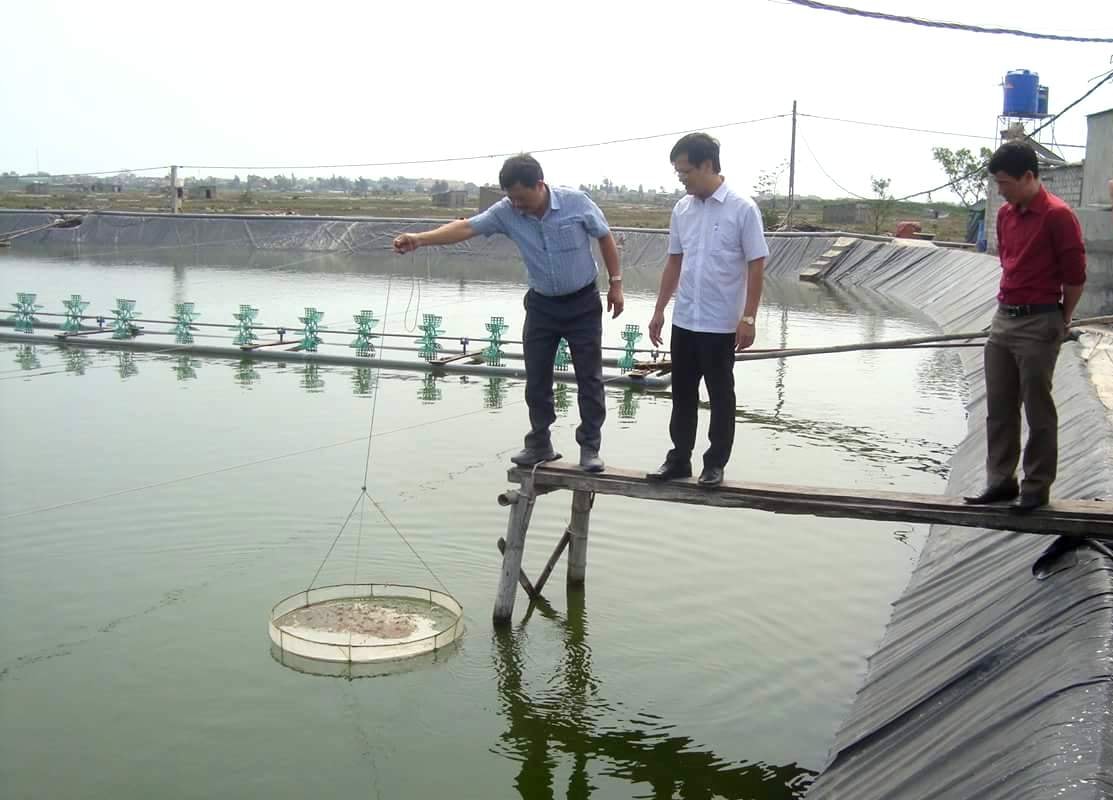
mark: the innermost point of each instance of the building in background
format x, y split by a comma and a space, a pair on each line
453, 198
488, 196
846, 213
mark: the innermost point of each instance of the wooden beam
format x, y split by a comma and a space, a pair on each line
1090, 518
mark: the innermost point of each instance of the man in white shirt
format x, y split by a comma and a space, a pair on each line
716, 261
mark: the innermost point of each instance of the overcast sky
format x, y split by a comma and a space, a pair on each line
269, 87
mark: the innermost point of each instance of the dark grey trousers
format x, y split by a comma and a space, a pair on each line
579, 319
1020, 357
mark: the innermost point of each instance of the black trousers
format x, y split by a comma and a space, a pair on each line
709, 356
577, 317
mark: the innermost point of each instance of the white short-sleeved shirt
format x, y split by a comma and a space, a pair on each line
718, 238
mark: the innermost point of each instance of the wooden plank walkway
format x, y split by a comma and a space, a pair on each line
1089, 518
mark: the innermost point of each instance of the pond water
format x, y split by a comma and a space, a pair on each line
155, 507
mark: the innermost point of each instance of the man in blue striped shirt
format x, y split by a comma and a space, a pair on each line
553, 229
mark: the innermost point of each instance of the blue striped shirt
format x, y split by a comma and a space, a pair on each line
556, 247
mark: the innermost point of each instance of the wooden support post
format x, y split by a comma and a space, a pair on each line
577, 529
543, 578
523, 579
521, 504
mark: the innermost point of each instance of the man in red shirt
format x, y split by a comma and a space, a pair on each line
1043, 268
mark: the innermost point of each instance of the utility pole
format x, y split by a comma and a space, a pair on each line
791, 172
175, 201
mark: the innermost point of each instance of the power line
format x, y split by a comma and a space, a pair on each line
821, 169
488, 155
981, 166
934, 23
82, 174
915, 130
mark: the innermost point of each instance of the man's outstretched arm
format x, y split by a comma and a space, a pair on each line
459, 230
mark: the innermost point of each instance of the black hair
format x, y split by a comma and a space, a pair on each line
522, 169
698, 147
1014, 159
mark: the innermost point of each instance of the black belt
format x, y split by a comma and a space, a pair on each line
1024, 311
563, 298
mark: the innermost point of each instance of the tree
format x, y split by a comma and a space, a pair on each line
438, 187
766, 187
965, 171
881, 207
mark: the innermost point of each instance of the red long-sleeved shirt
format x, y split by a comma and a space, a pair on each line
1041, 250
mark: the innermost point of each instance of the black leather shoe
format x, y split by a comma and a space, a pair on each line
995, 494
529, 457
670, 471
1029, 502
711, 477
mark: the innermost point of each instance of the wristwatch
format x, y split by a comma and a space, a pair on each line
748, 320
614, 278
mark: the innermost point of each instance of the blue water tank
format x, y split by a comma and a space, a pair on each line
1021, 93
1042, 104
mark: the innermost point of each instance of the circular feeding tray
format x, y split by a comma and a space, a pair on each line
364, 623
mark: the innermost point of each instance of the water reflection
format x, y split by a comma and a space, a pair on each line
628, 406
126, 365
561, 401
429, 391
364, 381
77, 360
186, 367
564, 716
941, 375
27, 358
782, 367
311, 379
867, 444
821, 304
246, 374
494, 393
